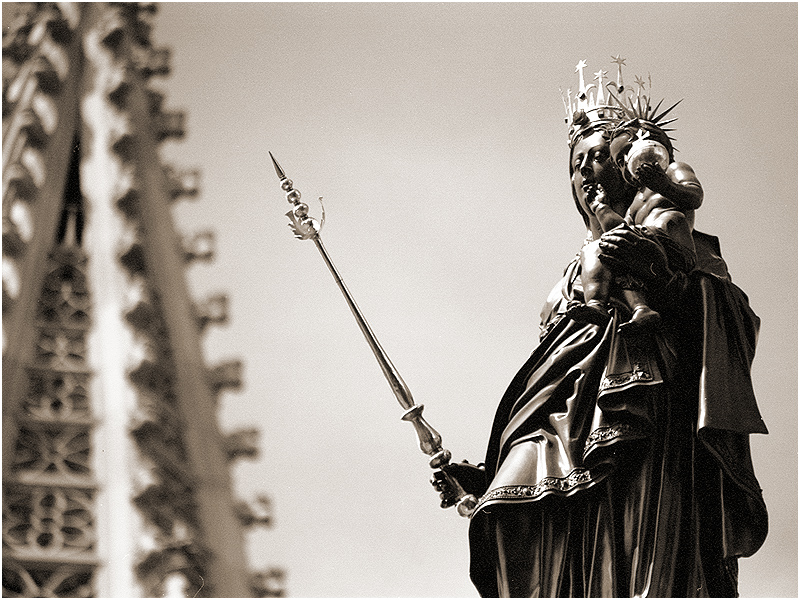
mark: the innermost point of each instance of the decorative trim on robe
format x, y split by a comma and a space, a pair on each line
578, 477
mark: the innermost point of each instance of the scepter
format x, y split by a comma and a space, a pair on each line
305, 227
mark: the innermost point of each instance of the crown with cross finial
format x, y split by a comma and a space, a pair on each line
606, 104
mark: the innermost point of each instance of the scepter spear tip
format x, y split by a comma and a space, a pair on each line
278, 170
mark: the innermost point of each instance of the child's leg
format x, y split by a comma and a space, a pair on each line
643, 319
675, 235
596, 279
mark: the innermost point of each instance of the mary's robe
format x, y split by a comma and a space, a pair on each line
620, 467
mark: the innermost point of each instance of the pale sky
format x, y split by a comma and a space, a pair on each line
436, 135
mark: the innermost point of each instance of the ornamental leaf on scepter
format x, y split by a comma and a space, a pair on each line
303, 226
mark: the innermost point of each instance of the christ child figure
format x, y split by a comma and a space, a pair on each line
668, 194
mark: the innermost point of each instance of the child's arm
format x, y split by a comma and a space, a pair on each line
677, 184
606, 215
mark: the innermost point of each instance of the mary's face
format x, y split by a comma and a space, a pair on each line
592, 164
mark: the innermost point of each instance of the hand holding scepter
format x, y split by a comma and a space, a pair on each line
305, 227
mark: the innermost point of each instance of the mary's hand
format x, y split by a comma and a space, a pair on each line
623, 250
471, 478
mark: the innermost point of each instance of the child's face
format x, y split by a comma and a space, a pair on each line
619, 149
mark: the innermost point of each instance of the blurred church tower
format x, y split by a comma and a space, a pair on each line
116, 478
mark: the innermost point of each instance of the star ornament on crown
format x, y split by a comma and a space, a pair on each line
606, 104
